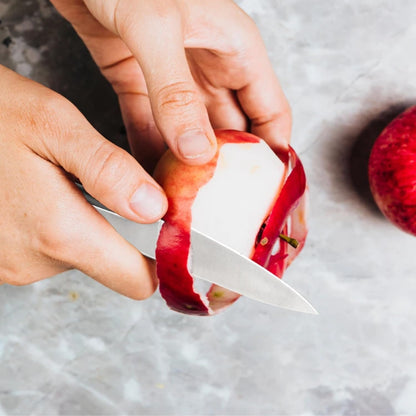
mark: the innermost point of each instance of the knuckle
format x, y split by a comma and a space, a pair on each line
144, 292
177, 97
165, 14
166, 10
263, 119
16, 277
108, 165
50, 113
9, 276
278, 117
55, 239
245, 40
125, 76
104, 10
19, 281
53, 106
148, 282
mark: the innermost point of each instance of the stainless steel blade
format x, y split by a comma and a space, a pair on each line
142, 236
223, 266
213, 262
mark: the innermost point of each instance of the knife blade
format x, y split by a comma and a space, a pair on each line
230, 269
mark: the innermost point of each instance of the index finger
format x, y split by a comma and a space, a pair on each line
263, 101
178, 109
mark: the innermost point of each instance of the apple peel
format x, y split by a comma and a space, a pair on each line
289, 208
287, 215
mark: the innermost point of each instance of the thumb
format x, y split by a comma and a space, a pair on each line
109, 173
158, 45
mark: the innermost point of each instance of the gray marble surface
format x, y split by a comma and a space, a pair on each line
69, 346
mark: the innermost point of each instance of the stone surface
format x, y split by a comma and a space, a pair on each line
70, 346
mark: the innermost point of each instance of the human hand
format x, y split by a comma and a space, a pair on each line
46, 225
180, 67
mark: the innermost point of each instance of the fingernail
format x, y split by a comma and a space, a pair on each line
148, 202
193, 144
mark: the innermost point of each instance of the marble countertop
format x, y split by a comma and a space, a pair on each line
70, 346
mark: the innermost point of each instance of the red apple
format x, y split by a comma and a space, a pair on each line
392, 171
247, 197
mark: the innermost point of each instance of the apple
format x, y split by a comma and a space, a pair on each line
392, 171
248, 197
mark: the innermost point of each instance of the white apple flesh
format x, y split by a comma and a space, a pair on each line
233, 205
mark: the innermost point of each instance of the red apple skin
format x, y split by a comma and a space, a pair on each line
392, 171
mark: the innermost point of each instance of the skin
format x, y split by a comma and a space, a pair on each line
180, 68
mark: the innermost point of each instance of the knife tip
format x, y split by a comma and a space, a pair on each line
313, 311
304, 306
308, 308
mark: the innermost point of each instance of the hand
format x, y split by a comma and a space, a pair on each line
46, 226
180, 66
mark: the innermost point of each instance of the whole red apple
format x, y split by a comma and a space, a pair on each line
392, 171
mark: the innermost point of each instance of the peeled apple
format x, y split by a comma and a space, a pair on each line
247, 197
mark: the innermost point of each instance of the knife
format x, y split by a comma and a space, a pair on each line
230, 269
